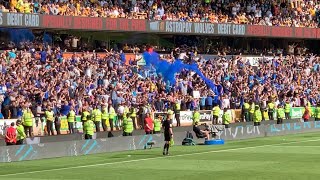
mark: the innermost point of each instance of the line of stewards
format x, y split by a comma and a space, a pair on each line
128, 125
15, 136
98, 117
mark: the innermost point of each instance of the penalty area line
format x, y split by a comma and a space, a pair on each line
153, 158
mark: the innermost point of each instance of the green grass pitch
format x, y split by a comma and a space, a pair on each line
283, 157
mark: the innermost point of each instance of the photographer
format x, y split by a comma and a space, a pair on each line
201, 133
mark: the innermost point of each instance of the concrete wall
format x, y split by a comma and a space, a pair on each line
83, 147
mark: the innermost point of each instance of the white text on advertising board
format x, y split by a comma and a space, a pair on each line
204, 28
28, 20
178, 27
231, 29
240, 132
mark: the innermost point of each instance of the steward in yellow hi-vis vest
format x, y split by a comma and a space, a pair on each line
196, 117
245, 111
251, 110
287, 109
27, 121
265, 115
49, 115
226, 117
71, 119
88, 129
157, 123
112, 117
105, 118
215, 114
257, 116
317, 112
271, 110
97, 116
280, 114
127, 126
177, 108
133, 116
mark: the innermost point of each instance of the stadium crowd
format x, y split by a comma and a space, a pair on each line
87, 81
295, 13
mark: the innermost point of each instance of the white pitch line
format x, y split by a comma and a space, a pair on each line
293, 146
161, 157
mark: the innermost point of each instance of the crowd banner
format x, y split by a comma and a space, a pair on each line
40, 21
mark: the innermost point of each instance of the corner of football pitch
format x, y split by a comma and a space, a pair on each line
283, 157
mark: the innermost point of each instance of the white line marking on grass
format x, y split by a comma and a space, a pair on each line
160, 157
294, 146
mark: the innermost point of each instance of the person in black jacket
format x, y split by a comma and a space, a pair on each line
168, 134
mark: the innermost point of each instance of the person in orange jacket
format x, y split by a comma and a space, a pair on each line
307, 114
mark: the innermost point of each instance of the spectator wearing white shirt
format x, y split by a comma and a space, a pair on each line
120, 116
225, 103
3, 88
160, 11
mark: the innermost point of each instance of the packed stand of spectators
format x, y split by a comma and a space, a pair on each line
296, 13
86, 80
